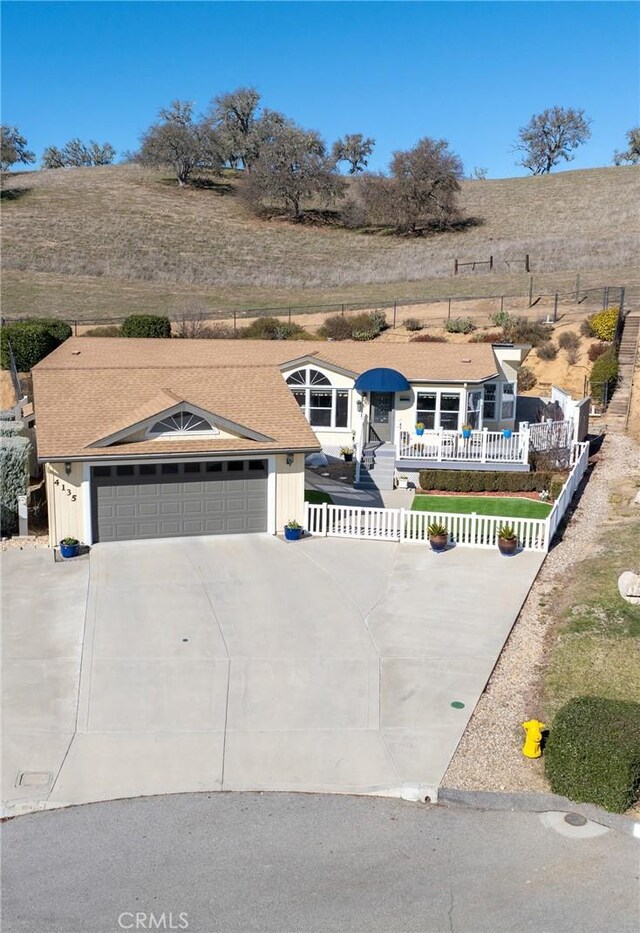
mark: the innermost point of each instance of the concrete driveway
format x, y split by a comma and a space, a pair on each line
246, 663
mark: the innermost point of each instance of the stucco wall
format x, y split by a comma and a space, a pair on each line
289, 491
65, 502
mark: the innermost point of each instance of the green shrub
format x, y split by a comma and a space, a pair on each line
597, 349
366, 325
14, 469
31, 340
604, 375
603, 325
111, 330
270, 328
484, 481
547, 351
11, 428
526, 379
592, 754
146, 325
459, 325
521, 330
569, 340
586, 329
501, 318
365, 334
491, 336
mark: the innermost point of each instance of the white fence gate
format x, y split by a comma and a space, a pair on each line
474, 530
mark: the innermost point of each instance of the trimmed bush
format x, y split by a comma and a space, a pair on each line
31, 340
521, 330
413, 324
111, 330
547, 351
270, 328
569, 340
603, 325
459, 325
604, 375
491, 336
501, 318
428, 338
366, 325
526, 378
484, 481
597, 349
146, 325
14, 468
593, 752
11, 428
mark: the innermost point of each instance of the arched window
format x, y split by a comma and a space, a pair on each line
323, 406
182, 422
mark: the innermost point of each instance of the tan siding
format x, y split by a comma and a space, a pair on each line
289, 491
66, 514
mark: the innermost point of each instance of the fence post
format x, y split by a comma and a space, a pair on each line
485, 439
401, 535
23, 521
530, 291
490, 263
473, 528
555, 308
605, 300
395, 308
75, 328
455, 267
527, 267
622, 301
501, 303
449, 311
289, 315
578, 289
234, 321
323, 520
342, 311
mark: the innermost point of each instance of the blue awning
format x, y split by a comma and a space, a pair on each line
381, 380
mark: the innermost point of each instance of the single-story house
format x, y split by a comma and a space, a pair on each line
155, 438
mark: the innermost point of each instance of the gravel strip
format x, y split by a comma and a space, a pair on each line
489, 755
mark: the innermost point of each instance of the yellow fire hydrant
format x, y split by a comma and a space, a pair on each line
533, 730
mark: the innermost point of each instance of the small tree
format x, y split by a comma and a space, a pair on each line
354, 149
177, 140
52, 157
13, 148
75, 154
632, 153
292, 167
552, 136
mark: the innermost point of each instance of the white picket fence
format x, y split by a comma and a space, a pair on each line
474, 530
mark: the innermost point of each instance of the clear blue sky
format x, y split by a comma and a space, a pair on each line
472, 73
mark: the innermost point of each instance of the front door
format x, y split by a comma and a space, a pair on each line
381, 416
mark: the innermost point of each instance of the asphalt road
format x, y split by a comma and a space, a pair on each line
278, 862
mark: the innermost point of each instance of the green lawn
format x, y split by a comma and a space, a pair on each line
317, 498
510, 507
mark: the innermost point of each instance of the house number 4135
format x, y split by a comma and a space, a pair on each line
65, 488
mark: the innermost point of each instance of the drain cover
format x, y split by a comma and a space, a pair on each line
34, 778
458, 704
575, 819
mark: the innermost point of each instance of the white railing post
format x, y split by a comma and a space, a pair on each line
473, 525
323, 519
485, 439
526, 433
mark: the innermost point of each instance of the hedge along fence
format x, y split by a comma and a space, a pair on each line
146, 325
31, 340
486, 481
14, 468
593, 752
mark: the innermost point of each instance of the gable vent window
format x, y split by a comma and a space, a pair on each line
182, 422
323, 406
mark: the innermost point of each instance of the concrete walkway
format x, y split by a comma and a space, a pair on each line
343, 494
246, 663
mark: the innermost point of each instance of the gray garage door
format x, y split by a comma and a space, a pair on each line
167, 499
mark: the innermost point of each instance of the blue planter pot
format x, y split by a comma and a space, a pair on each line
69, 550
466, 434
419, 431
293, 534
506, 433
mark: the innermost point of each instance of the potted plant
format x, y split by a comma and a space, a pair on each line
292, 531
466, 430
69, 547
438, 536
419, 428
507, 539
403, 481
507, 433
347, 453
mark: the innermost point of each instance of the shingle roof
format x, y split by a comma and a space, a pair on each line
91, 387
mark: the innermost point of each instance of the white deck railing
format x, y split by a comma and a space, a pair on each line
481, 447
408, 527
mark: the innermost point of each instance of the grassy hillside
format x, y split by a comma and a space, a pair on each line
104, 241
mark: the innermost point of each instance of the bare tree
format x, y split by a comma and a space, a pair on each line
552, 136
192, 320
101, 154
75, 153
52, 157
420, 192
632, 153
179, 141
234, 116
479, 174
292, 167
355, 150
13, 148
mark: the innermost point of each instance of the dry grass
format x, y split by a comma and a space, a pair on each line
101, 242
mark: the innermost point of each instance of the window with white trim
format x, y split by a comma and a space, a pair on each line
508, 407
323, 405
490, 395
438, 409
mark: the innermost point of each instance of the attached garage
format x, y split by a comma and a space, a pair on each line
161, 500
